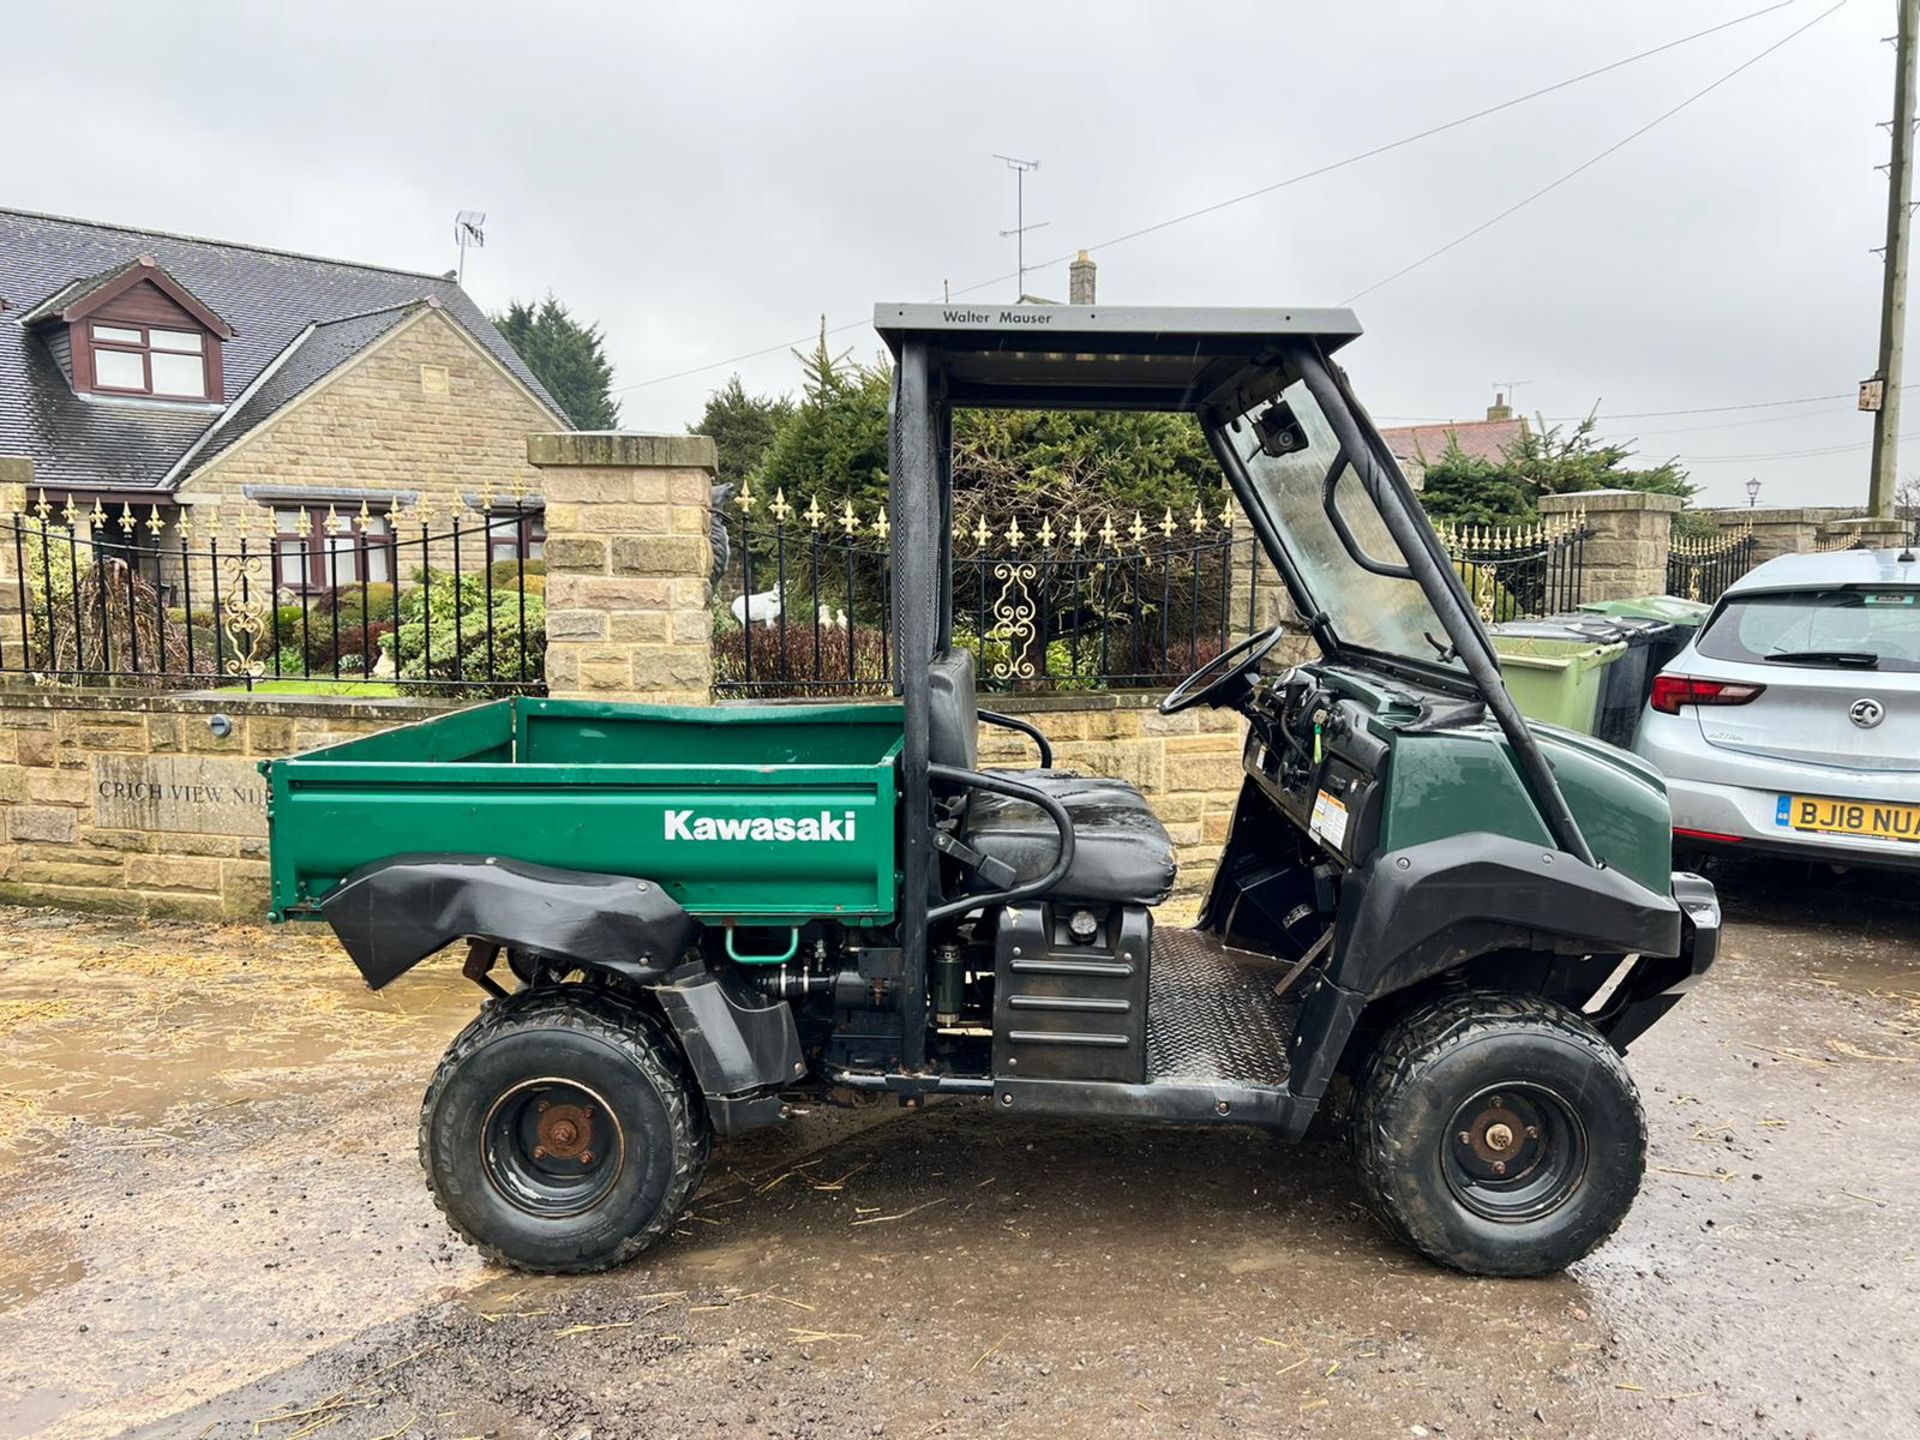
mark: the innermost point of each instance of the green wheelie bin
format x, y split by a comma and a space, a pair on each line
1556, 668
1685, 616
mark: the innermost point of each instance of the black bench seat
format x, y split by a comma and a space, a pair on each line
1122, 853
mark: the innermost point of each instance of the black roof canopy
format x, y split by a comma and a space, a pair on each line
1111, 357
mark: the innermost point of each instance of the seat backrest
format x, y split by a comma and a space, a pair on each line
953, 722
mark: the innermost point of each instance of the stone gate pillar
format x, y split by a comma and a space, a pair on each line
1629, 533
628, 564
16, 494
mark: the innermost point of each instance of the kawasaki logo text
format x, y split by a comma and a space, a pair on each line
809, 829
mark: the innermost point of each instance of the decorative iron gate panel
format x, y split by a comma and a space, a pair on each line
1702, 567
1126, 603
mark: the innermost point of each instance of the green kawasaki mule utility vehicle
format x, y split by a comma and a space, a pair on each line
1448, 922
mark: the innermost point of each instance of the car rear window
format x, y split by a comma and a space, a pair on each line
1847, 626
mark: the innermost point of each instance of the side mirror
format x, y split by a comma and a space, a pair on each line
1278, 432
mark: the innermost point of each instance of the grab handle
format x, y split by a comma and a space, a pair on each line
793, 948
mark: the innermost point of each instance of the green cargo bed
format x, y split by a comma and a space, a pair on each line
764, 813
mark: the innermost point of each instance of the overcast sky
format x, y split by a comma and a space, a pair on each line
705, 181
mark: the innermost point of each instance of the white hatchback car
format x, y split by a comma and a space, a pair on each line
1790, 724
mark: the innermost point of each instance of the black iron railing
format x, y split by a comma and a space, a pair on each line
1702, 567
806, 600
397, 603
1518, 572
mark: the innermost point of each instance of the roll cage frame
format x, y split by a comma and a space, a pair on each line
1215, 364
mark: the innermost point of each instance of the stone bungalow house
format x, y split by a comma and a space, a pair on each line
159, 375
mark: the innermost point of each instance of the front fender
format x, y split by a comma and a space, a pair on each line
393, 914
1425, 909
1418, 912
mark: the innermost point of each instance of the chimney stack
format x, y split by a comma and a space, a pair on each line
1499, 409
1080, 281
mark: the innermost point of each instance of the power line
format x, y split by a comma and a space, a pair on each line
1220, 205
1743, 424
1718, 409
1606, 420
1661, 414
1590, 162
1629, 414
1782, 454
1392, 145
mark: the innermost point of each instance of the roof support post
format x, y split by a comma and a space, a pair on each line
918, 593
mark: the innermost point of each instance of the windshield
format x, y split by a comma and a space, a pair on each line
1289, 449
1863, 629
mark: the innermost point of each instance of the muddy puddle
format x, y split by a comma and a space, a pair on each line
202, 1131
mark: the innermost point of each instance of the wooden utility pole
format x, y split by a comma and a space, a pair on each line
1893, 294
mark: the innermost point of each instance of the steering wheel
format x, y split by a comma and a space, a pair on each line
1213, 682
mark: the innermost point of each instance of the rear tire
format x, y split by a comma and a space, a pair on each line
1498, 1134
562, 1132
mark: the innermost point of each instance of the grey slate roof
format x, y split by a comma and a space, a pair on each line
74, 289
269, 297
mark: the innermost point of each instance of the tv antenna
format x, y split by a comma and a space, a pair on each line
1505, 389
1020, 226
469, 233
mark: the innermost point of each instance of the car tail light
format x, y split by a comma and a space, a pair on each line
1670, 692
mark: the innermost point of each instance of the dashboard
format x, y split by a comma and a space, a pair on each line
1311, 751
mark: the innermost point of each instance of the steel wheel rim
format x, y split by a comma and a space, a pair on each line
553, 1148
1514, 1152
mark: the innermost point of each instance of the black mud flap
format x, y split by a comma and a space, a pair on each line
743, 1046
393, 914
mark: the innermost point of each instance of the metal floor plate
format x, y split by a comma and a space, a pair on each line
1212, 1014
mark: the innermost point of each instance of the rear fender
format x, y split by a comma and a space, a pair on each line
393, 914
741, 1046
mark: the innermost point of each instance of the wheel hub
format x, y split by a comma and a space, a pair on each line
552, 1147
1515, 1153
1497, 1135
565, 1131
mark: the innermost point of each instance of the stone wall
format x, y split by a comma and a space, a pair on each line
1780, 530
1870, 532
1187, 765
134, 803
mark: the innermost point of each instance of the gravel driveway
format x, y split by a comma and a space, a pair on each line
216, 1227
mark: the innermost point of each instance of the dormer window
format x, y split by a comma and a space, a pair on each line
133, 331
149, 360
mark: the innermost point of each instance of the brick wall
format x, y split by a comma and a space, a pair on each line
381, 425
81, 828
